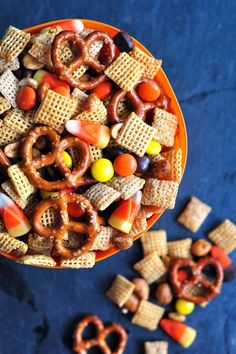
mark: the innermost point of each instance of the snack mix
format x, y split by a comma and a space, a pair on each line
87, 156
86, 146
182, 273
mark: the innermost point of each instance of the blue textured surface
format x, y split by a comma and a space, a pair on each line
196, 40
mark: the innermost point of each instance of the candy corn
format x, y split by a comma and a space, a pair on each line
178, 331
92, 133
13, 217
43, 76
227, 264
123, 216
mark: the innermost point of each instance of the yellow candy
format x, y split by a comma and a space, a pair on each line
67, 159
102, 170
154, 148
184, 307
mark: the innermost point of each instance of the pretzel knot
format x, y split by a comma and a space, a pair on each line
81, 346
60, 203
197, 288
31, 166
84, 57
140, 107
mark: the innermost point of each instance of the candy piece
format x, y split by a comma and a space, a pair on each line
160, 170
123, 41
26, 98
123, 217
76, 26
62, 91
183, 275
149, 91
143, 164
184, 307
13, 217
102, 170
227, 264
230, 273
111, 153
92, 133
75, 210
103, 91
181, 333
125, 165
67, 158
153, 148
43, 76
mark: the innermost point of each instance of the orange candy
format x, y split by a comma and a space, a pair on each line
183, 275
74, 210
149, 91
125, 165
62, 91
26, 98
221, 256
103, 90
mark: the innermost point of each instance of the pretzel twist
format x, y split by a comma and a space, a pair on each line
140, 107
81, 346
60, 202
197, 278
31, 165
84, 57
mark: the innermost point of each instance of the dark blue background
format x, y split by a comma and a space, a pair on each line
196, 39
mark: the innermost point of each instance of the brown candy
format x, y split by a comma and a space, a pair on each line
160, 170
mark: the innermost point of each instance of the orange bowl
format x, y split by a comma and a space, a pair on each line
181, 140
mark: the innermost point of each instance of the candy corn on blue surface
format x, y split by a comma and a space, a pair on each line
196, 40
